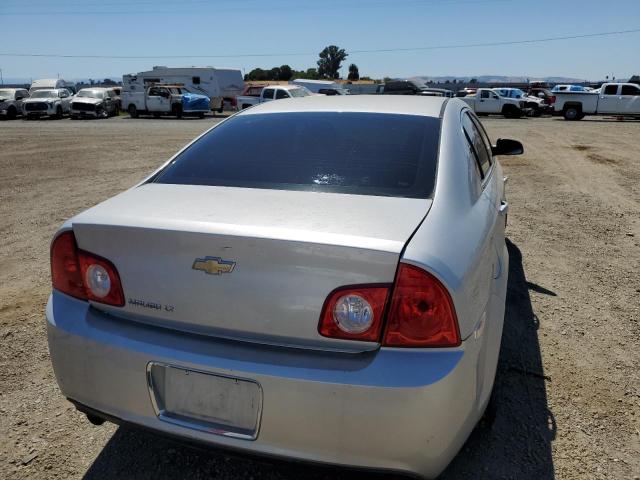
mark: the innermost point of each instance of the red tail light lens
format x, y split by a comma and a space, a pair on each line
65, 267
552, 99
421, 313
82, 274
354, 313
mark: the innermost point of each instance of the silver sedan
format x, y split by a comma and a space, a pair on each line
321, 278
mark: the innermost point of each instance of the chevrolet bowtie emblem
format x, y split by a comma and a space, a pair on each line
213, 265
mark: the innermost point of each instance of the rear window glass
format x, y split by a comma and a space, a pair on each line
356, 153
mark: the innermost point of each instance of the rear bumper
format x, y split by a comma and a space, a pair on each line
400, 410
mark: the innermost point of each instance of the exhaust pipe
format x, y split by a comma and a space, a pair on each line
95, 420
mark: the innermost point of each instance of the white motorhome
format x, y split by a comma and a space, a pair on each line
47, 84
219, 84
326, 87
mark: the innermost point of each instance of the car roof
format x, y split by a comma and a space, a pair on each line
390, 104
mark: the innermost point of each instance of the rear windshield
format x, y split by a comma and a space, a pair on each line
356, 153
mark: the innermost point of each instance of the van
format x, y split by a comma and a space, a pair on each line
47, 84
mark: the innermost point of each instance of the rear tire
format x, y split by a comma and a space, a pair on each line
133, 111
572, 113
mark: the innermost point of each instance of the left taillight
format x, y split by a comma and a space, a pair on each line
84, 275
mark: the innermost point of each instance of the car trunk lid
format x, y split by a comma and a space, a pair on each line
241, 263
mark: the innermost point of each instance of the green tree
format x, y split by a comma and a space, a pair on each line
331, 59
286, 73
354, 74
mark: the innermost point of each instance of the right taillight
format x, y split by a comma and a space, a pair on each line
82, 274
421, 312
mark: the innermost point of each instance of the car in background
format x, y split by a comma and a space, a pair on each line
117, 92
487, 102
437, 92
11, 102
621, 99
569, 88
292, 283
94, 102
273, 92
333, 91
49, 84
535, 106
404, 87
543, 93
47, 103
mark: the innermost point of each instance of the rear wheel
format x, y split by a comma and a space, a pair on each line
536, 112
133, 111
573, 113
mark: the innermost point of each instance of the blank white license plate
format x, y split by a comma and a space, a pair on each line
204, 401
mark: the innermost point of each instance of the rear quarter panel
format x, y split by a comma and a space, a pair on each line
455, 241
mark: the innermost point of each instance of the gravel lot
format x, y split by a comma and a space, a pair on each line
568, 385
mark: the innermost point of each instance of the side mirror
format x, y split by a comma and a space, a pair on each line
505, 146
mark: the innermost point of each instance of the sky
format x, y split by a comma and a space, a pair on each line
251, 33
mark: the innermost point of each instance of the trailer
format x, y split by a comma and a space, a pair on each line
219, 84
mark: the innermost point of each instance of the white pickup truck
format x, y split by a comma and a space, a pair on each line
485, 101
160, 100
272, 92
612, 99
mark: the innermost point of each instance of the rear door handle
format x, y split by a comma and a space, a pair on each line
504, 208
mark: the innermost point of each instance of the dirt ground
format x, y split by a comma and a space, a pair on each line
568, 387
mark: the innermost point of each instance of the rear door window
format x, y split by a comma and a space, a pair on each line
268, 93
630, 90
475, 138
342, 152
281, 94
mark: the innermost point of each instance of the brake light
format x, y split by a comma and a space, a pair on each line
421, 312
82, 274
552, 99
354, 313
65, 267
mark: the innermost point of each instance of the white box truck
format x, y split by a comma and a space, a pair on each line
219, 84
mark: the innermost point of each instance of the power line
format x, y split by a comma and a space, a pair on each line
291, 54
225, 8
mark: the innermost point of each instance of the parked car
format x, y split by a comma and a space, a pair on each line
545, 94
51, 103
11, 101
94, 102
535, 105
612, 99
485, 101
437, 92
272, 92
117, 92
300, 292
404, 87
569, 88
333, 91
162, 99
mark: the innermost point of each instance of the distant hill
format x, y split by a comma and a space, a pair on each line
495, 79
